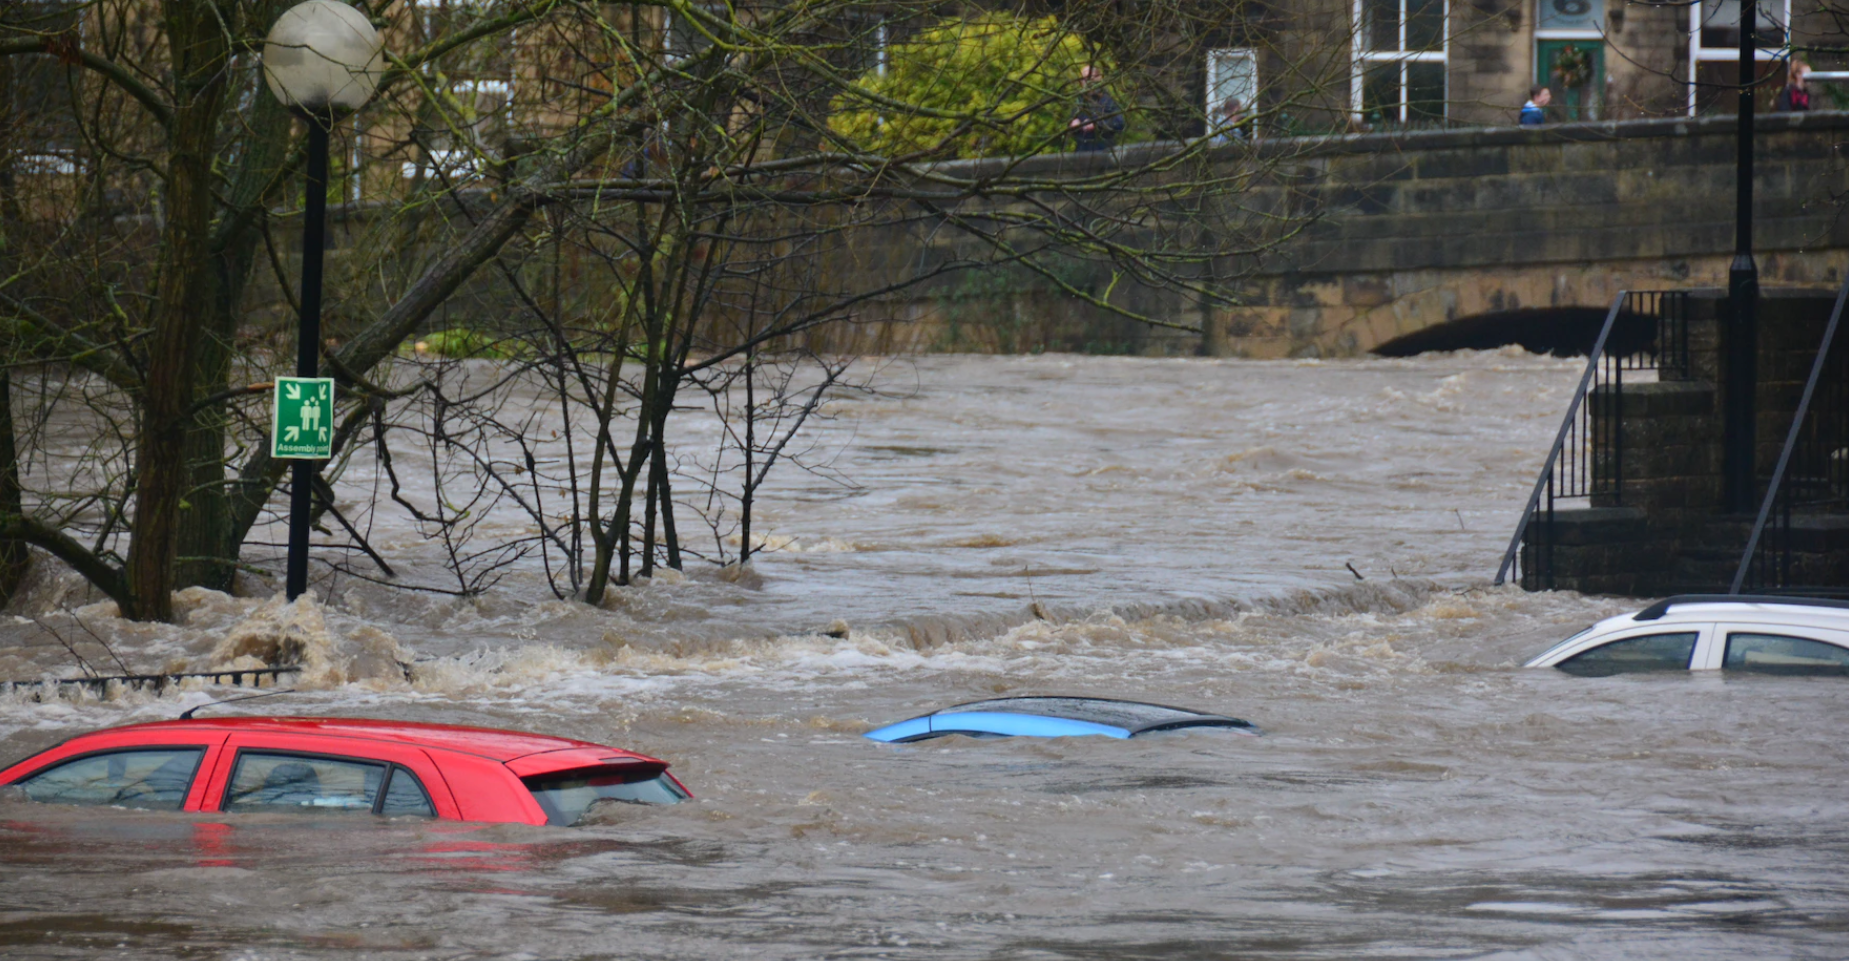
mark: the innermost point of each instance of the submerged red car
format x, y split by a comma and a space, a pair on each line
331, 765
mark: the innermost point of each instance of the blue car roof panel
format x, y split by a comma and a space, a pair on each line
1018, 725
906, 730
1053, 717
1132, 716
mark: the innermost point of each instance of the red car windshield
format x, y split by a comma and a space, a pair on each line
567, 795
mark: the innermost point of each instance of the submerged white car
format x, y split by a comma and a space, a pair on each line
1707, 632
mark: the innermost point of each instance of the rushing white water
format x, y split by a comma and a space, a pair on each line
1186, 528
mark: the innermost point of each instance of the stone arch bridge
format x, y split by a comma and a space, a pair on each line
1462, 238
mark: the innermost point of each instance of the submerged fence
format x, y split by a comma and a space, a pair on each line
101, 685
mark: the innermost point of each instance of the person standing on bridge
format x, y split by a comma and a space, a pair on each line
1796, 95
1534, 112
1097, 120
1232, 125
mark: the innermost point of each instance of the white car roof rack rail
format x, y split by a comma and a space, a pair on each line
1660, 608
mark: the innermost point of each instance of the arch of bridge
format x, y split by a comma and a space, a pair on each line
1425, 229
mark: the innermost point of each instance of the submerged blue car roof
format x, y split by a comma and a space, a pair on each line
1053, 717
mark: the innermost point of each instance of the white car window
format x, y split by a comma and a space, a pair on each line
1783, 654
1649, 652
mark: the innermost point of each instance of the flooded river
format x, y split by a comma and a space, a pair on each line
1185, 530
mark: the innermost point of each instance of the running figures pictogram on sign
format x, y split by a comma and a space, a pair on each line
300, 418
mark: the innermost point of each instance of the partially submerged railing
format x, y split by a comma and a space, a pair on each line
1587, 459
1813, 466
100, 685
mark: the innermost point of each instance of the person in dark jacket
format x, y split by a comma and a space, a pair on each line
1097, 120
1796, 95
1534, 112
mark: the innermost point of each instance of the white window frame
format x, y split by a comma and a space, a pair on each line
1698, 54
459, 164
49, 163
1558, 34
1363, 58
1210, 96
668, 54
355, 177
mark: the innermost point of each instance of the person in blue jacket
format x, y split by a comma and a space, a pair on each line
1534, 112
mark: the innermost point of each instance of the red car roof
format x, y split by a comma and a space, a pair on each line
482, 741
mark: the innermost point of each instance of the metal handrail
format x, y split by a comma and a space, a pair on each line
1791, 440
1560, 439
160, 682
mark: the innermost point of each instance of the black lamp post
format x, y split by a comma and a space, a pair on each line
1742, 338
322, 60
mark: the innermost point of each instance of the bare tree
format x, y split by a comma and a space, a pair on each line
678, 159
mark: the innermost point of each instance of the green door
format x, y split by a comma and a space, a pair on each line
1575, 71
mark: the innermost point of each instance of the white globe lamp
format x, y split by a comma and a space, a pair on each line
323, 57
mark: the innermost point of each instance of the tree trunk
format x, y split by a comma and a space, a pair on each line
209, 534
205, 508
665, 496
14, 555
748, 492
648, 523
670, 541
200, 50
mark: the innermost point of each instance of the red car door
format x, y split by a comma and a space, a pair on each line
311, 748
105, 743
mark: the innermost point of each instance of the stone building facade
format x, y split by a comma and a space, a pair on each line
1310, 66
1601, 59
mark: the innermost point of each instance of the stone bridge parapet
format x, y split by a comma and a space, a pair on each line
1428, 229
1418, 234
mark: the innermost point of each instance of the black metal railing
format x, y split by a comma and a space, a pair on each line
100, 685
1644, 330
1812, 475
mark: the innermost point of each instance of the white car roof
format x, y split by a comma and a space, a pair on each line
1816, 612
1700, 609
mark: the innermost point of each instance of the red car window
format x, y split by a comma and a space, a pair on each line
567, 795
405, 796
359, 783
157, 778
207, 742
305, 783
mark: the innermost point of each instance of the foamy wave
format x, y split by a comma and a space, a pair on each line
785, 544
1352, 629
283, 633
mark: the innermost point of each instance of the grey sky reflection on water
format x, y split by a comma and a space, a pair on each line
1417, 795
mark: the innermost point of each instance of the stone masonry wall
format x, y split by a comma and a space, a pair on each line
1667, 533
1405, 232
1410, 231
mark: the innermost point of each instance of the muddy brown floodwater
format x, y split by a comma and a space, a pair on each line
1186, 525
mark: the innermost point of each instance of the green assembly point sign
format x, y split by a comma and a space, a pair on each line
299, 420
